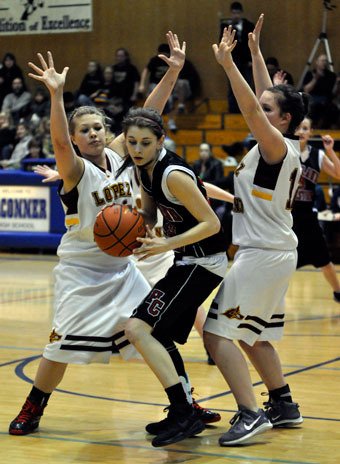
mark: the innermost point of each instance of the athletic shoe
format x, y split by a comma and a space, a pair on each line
27, 421
206, 415
178, 428
244, 425
282, 413
154, 428
336, 296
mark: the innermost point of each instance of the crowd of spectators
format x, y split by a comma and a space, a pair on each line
24, 114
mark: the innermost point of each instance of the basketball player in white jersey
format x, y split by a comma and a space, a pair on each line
249, 306
93, 297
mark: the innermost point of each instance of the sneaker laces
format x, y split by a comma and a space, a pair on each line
235, 417
267, 404
28, 410
195, 405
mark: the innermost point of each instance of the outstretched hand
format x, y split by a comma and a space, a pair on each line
51, 175
280, 78
225, 47
47, 74
177, 53
254, 37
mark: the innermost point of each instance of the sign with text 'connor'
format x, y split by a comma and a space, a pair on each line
45, 16
24, 208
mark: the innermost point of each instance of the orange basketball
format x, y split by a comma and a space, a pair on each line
116, 229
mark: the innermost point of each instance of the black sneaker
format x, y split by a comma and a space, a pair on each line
178, 428
154, 428
27, 421
336, 296
283, 413
244, 425
206, 415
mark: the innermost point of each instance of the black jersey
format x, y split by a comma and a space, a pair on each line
305, 195
176, 218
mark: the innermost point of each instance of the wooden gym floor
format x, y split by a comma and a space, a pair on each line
99, 413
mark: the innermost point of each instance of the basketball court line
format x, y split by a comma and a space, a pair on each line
118, 444
19, 371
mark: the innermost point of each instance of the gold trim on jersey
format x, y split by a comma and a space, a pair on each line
72, 221
262, 195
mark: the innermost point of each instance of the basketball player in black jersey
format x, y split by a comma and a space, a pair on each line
312, 247
193, 231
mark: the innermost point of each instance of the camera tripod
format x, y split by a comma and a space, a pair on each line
321, 39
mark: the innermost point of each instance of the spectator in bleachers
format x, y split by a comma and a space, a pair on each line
39, 107
44, 133
152, 75
241, 54
22, 139
9, 70
7, 136
273, 67
35, 151
105, 100
207, 167
319, 83
187, 86
17, 103
336, 100
92, 81
126, 78
312, 247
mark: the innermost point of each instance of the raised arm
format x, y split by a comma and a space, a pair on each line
270, 139
161, 93
261, 75
70, 166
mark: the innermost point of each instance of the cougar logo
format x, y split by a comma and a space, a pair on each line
233, 313
54, 337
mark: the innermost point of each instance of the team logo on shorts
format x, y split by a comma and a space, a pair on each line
233, 313
54, 337
155, 302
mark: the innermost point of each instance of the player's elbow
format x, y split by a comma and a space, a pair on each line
215, 226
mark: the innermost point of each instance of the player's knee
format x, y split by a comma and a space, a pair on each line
135, 329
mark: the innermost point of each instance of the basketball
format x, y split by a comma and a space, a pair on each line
116, 229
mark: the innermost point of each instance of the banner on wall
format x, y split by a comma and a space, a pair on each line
24, 208
45, 16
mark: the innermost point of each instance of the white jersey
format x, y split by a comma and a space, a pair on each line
96, 189
263, 200
95, 293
